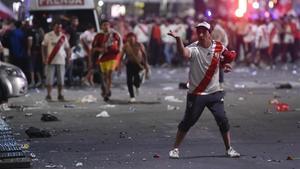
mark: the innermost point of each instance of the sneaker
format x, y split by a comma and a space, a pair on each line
232, 153
61, 98
48, 98
132, 100
174, 153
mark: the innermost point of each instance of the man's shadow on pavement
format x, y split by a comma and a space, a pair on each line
126, 102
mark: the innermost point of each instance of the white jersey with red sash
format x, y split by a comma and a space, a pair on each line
56, 46
204, 68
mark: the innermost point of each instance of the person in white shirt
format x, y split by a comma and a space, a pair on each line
205, 56
142, 31
275, 29
86, 40
249, 40
288, 41
262, 44
169, 42
55, 52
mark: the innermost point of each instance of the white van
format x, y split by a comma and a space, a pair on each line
85, 10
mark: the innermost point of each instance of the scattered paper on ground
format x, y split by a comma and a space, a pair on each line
103, 114
173, 99
168, 88
107, 106
89, 99
169, 107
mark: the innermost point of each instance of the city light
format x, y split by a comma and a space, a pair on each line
267, 14
243, 5
239, 13
242, 8
100, 3
255, 5
271, 4
208, 12
118, 10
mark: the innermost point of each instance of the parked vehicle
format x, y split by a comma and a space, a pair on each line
13, 82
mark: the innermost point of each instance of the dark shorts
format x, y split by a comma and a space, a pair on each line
195, 106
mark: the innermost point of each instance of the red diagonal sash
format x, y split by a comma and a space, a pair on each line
211, 69
56, 49
143, 30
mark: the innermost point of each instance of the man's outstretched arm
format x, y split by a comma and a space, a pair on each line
183, 51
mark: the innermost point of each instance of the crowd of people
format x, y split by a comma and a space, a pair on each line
261, 43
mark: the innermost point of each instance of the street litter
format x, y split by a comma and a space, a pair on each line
54, 166
25, 146
103, 114
173, 99
79, 164
107, 106
284, 86
51, 166
173, 107
123, 134
28, 114
278, 161
48, 117
131, 109
4, 107
89, 99
168, 88
32, 155
241, 99
278, 106
41, 103
282, 107
254, 73
239, 86
294, 72
156, 156
33, 132
69, 106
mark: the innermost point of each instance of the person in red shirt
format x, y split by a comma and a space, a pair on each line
107, 45
155, 44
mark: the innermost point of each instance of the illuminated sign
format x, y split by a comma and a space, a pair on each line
60, 2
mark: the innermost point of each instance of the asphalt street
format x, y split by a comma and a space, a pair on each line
92, 134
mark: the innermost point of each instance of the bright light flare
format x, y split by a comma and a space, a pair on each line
100, 3
255, 5
243, 5
209, 13
242, 8
239, 13
271, 4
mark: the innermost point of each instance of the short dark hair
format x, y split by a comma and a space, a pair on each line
130, 34
56, 22
104, 21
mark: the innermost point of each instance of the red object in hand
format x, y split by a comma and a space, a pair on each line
282, 107
229, 56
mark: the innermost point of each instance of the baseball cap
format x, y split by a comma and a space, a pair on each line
203, 24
